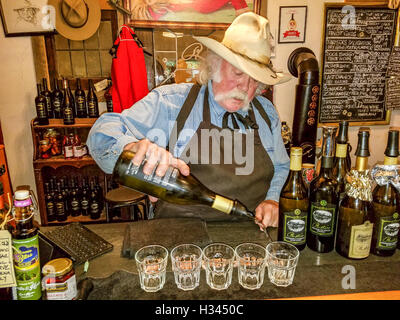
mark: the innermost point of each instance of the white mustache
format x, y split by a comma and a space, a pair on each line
234, 94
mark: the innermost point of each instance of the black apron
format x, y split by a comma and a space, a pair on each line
221, 178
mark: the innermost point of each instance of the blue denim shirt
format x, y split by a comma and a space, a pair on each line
153, 118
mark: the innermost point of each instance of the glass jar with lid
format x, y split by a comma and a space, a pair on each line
59, 280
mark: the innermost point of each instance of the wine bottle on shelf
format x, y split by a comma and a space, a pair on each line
50, 207
57, 98
99, 191
61, 213
94, 203
47, 94
173, 187
40, 103
293, 204
354, 230
85, 200
340, 168
68, 105
80, 97
323, 199
68, 146
74, 199
108, 97
386, 206
65, 193
92, 103
77, 146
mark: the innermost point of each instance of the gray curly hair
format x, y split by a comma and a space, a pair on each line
210, 69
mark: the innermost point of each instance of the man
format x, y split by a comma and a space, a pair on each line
191, 120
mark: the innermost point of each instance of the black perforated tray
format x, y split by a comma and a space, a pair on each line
79, 242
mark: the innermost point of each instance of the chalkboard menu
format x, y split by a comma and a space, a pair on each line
393, 80
357, 45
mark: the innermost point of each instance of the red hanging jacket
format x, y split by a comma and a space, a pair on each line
128, 71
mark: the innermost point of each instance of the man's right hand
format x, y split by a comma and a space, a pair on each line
155, 157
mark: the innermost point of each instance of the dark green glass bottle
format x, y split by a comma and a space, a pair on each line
385, 205
340, 165
293, 204
173, 187
324, 199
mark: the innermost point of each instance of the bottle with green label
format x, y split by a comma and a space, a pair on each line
354, 232
323, 199
340, 166
26, 248
385, 202
293, 204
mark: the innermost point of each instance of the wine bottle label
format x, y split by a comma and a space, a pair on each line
57, 104
68, 152
360, 240
41, 111
68, 114
109, 106
77, 151
85, 204
295, 227
60, 208
50, 208
27, 268
94, 207
92, 108
388, 232
74, 205
341, 150
80, 104
222, 204
322, 218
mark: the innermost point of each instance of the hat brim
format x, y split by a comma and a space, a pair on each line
78, 34
257, 71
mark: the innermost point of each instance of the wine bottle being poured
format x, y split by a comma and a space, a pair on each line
173, 187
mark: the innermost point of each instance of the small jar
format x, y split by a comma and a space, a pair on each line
45, 149
54, 138
59, 281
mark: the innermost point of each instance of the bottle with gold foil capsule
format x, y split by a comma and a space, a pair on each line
385, 205
340, 167
173, 187
323, 199
293, 204
354, 232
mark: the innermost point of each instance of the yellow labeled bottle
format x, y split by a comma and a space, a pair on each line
293, 204
385, 206
173, 187
354, 232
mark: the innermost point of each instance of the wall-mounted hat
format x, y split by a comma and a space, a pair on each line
77, 19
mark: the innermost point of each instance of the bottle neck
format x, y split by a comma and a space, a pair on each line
56, 85
388, 161
39, 89
327, 163
44, 85
361, 163
295, 163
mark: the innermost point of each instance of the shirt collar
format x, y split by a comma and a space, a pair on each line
215, 106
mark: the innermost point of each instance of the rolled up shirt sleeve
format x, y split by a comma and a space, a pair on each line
113, 131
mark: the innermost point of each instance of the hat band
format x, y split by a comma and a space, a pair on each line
248, 58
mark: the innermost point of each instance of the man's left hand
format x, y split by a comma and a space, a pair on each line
267, 213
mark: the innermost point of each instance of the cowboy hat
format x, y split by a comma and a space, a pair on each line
77, 19
246, 46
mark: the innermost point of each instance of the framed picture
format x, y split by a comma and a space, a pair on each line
292, 24
26, 17
215, 14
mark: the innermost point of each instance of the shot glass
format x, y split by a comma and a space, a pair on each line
152, 262
251, 261
218, 262
282, 260
186, 263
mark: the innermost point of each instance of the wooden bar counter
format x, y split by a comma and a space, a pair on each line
318, 276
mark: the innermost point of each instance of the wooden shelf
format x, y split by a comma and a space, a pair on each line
59, 161
81, 219
59, 123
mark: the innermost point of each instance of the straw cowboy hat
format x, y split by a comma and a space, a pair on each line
77, 19
246, 46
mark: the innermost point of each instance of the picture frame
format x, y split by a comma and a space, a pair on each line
27, 17
200, 14
292, 24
